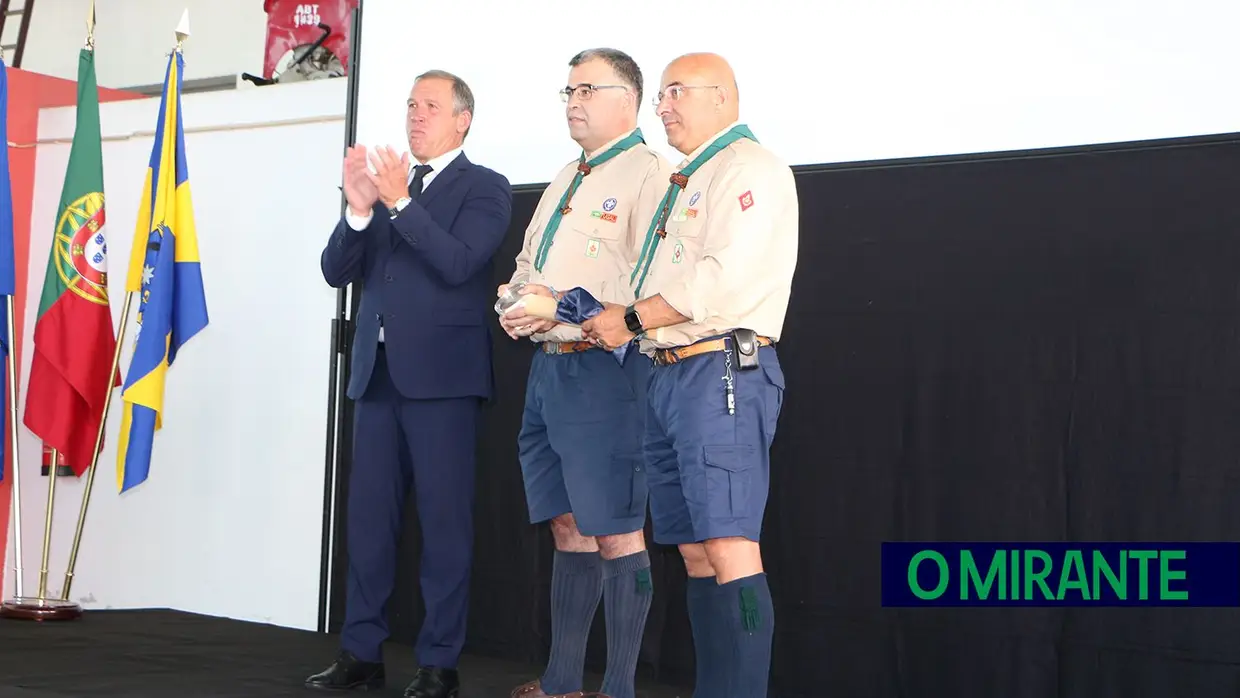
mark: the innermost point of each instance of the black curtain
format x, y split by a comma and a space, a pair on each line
1027, 347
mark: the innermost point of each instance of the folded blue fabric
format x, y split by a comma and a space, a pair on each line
578, 305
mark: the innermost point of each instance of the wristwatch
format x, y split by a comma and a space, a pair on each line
399, 206
632, 320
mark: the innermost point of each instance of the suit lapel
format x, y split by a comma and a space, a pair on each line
440, 183
445, 178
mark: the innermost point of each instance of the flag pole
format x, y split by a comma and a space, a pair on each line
23, 607
47, 524
107, 401
13, 419
41, 607
94, 462
182, 33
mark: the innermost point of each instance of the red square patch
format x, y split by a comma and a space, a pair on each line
746, 200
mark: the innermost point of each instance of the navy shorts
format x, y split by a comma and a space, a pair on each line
709, 471
581, 440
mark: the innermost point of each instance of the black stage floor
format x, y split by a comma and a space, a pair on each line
141, 654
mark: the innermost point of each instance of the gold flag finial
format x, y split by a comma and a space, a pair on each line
90, 28
183, 29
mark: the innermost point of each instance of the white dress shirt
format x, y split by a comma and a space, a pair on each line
437, 165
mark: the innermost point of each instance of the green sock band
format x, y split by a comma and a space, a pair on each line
750, 616
644, 583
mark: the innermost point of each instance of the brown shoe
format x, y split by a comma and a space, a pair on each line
534, 690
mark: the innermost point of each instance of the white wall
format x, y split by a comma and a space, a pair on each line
133, 37
828, 82
229, 522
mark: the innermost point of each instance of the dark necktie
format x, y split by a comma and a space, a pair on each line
419, 174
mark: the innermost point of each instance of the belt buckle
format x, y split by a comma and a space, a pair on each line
560, 348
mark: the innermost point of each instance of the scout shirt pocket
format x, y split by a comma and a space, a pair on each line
598, 237
686, 227
688, 216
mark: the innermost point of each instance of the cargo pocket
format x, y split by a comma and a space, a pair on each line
728, 472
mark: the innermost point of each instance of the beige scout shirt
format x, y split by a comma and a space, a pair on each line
598, 242
731, 247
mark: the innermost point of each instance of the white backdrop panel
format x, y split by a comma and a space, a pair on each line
229, 522
829, 81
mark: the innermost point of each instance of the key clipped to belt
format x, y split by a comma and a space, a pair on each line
745, 344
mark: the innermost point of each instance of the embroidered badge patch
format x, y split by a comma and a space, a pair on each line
746, 200
592, 249
609, 205
609, 217
678, 254
693, 199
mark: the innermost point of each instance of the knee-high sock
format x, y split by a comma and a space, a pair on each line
746, 609
576, 586
627, 591
711, 646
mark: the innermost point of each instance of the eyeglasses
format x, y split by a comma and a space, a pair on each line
675, 92
585, 91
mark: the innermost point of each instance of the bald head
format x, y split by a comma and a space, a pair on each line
710, 69
698, 98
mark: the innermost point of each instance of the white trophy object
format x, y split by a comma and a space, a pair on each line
534, 304
510, 299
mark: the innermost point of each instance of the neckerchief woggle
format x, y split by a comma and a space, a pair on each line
680, 180
583, 169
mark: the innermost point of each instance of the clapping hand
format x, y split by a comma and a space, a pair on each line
391, 175
359, 190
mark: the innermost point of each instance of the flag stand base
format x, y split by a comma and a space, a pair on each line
32, 608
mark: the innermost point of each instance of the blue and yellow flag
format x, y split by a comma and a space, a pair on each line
164, 268
8, 269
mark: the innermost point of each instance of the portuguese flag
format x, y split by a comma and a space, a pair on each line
73, 337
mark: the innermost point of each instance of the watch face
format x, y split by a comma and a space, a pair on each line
632, 321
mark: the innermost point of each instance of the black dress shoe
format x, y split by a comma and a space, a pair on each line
348, 673
431, 682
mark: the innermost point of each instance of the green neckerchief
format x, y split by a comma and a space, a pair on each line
583, 169
680, 180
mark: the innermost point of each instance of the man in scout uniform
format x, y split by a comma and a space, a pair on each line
713, 281
581, 432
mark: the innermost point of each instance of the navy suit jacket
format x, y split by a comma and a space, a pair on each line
426, 275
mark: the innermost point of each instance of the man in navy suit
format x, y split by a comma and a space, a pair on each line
420, 240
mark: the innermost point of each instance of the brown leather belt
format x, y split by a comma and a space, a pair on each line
567, 347
667, 357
